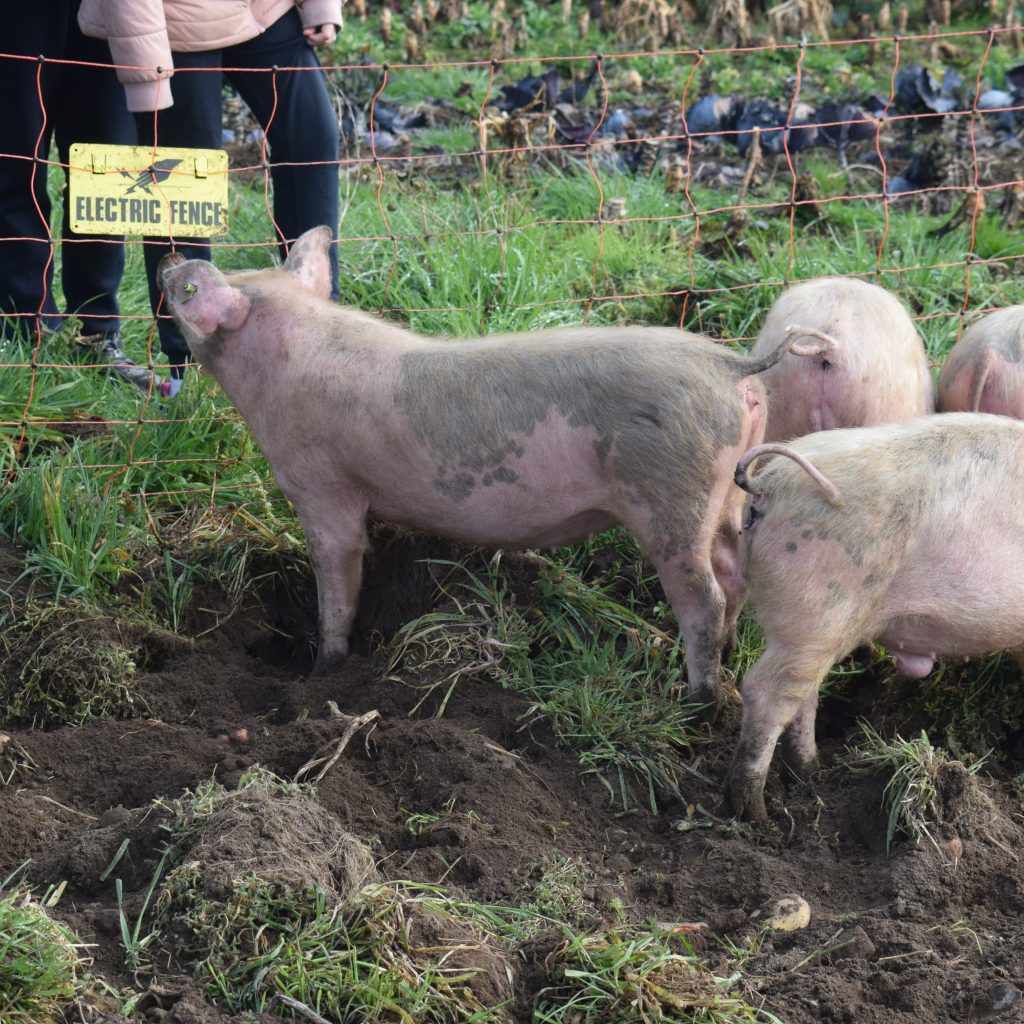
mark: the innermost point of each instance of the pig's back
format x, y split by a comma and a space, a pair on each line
1002, 330
617, 381
939, 469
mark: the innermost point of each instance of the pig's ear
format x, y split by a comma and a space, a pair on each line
308, 263
199, 294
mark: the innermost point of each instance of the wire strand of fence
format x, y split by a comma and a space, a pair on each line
596, 154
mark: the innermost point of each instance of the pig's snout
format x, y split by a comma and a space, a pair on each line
169, 262
827, 342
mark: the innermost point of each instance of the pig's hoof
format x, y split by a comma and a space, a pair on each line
802, 769
707, 704
746, 797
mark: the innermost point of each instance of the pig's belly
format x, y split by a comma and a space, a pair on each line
955, 621
961, 592
503, 523
516, 534
555, 492
940, 637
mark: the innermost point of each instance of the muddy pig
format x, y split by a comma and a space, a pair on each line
528, 440
984, 370
875, 371
908, 534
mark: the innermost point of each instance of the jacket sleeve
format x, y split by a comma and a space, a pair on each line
320, 12
136, 31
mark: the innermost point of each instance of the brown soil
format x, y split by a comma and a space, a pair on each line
914, 935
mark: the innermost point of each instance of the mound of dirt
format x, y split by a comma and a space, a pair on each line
283, 838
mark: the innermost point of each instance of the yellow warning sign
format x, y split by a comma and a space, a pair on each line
139, 190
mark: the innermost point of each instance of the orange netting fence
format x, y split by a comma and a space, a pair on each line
985, 178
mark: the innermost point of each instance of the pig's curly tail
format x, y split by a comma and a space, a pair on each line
769, 359
743, 481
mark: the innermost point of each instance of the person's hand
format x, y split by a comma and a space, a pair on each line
321, 35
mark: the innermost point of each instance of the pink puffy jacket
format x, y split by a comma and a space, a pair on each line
142, 34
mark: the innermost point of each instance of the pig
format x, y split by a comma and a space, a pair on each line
875, 370
523, 440
984, 371
907, 534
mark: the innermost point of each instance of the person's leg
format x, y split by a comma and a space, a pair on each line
31, 89
91, 109
194, 120
302, 128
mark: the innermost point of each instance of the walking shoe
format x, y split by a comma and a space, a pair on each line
108, 348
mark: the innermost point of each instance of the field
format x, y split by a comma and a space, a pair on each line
502, 807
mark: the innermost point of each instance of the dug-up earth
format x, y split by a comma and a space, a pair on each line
924, 933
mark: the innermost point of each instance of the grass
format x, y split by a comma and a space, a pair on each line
606, 680
558, 894
410, 952
378, 952
912, 765
43, 965
635, 976
64, 663
133, 939
386, 951
351, 961
979, 705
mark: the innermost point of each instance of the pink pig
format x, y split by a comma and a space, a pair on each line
984, 371
907, 534
875, 370
523, 440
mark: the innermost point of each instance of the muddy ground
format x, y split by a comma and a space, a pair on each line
921, 936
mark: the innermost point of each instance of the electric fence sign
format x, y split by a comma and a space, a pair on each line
142, 190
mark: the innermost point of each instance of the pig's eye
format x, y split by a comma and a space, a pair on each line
190, 289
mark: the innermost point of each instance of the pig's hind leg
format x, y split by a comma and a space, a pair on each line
779, 691
799, 749
699, 603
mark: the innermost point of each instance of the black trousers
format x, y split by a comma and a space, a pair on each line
43, 101
295, 110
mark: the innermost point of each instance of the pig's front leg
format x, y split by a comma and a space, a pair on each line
337, 543
699, 604
777, 689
